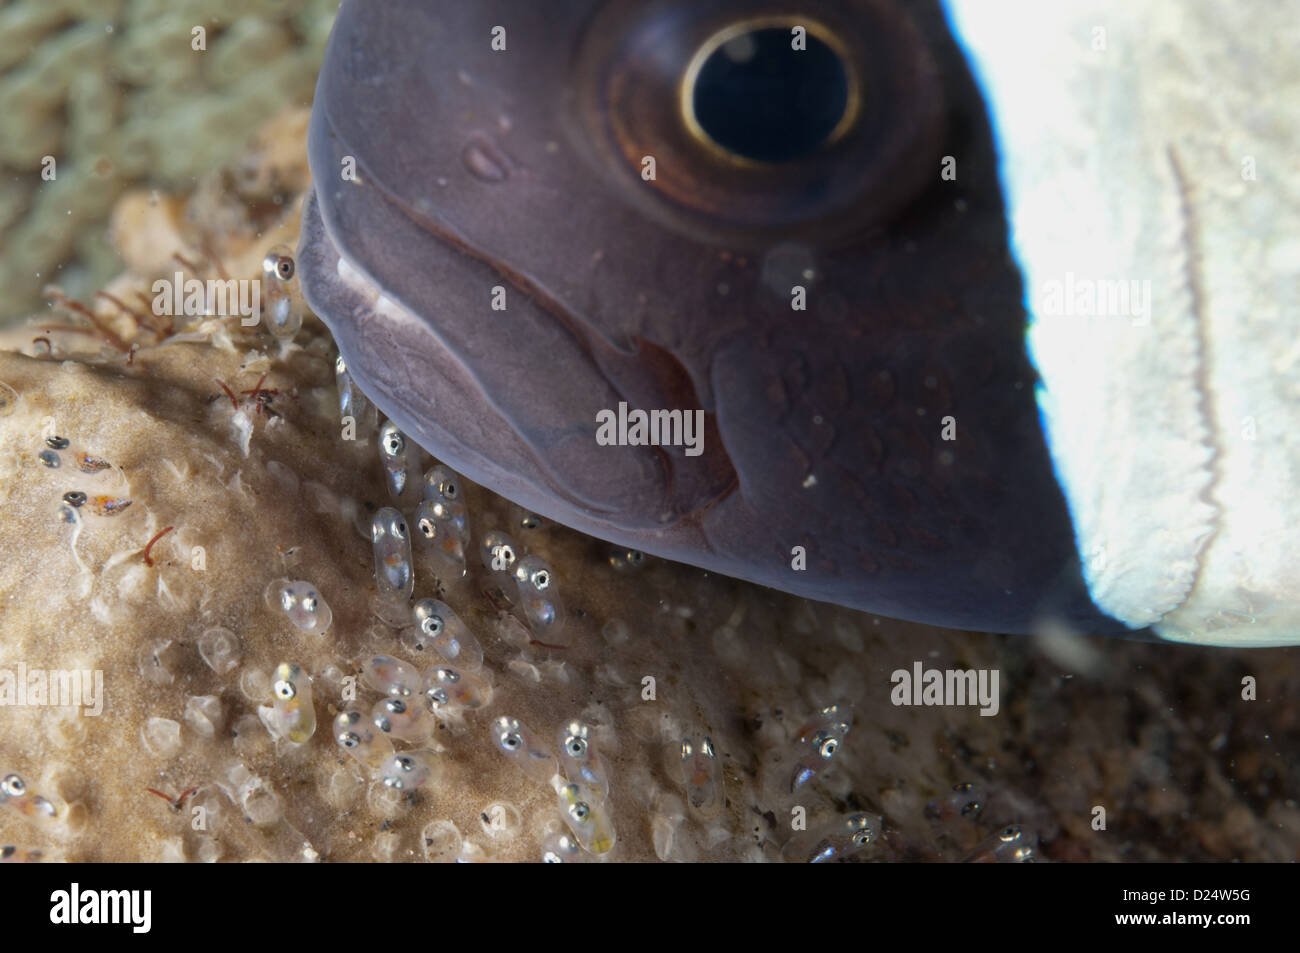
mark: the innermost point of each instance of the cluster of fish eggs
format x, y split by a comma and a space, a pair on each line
391, 740
390, 737
84, 469
40, 811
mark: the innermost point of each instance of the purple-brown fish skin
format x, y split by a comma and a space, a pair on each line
479, 169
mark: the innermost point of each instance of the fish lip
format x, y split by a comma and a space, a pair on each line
687, 539
322, 291
685, 492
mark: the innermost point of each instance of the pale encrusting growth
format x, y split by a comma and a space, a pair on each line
174, 718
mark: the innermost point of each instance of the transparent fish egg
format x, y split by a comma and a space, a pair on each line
521, 746
390, 676
352, 402
358, 737
587, 818
219, 648
539, 596
442, 483
965, 802
294, 715
408, 770
402, 718
444, 631
561, 848
498, 551
579, 759
626, 560
301, 603
396, 455
818, 740
16, 797
442, 531
1010, 845
281, 307
392, 545
455, 690
524, 520
845, 837
701, 775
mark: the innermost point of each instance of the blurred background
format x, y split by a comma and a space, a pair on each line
114, 91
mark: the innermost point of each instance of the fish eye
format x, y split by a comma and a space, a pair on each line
13, 785
426, 527
279, 265
511, 740
754, 92
576, 747
580, 811
74, 498
780, 128
284, 690
432, 626
349, 739
541, 579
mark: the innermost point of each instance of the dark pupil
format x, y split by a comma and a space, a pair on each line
759, 98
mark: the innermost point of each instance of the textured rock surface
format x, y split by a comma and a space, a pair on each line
114, 92
1157, 734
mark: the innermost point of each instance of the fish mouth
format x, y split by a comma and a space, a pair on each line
816, 441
